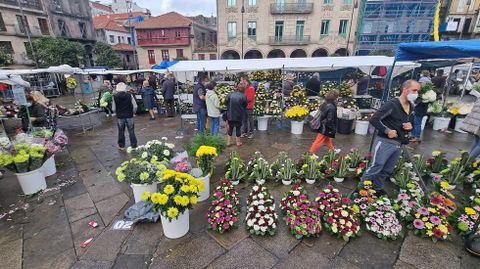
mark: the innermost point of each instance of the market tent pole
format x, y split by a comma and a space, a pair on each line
466, 79
449, 85
389, 80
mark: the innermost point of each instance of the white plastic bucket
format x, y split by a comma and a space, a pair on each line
202, 196
459, 124
32, 182
361, 127
262, 123
339, 179
176, 228
49, 167
297, 127
424, 122
139, 189
310, 181
440, 123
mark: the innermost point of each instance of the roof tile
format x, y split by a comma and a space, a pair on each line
167, 20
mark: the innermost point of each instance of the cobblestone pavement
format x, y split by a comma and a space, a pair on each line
46, 230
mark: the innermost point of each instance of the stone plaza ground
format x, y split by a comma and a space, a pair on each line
46, 230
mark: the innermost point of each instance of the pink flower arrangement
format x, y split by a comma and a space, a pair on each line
183, 167
381, 220
222, 214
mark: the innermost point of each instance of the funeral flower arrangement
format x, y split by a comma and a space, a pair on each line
260, 171
235, 168
223, 212
363, 198
205, 158
179, 192
141, 171
159, 148
310, 167
261, 216
382, 221
296, 113
277, 164
466, 221
437, 162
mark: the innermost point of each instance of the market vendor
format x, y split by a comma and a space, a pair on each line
36, 111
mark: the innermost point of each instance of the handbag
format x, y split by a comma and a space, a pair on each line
315, 122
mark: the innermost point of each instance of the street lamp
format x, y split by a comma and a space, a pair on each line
355, 5
243, 11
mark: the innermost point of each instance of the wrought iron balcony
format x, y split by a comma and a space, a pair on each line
33, 4
291, 8
290, 40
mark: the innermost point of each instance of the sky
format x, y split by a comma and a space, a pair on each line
185, 7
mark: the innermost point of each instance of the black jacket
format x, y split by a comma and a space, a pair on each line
328, 119
36, 111
168, 89
236, 105
313, 87
124, 105
391, 116
421, 109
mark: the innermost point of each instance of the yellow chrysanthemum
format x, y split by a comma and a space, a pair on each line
121, 177
185, 188
169, 189
367, 183
162, 199
146, 195
193, 200
443, 228
193, 189
470, 211
444, 185
154, 198
144, 176
429, 225
172, 212
119, 171
206, 150
436, 153
177, 199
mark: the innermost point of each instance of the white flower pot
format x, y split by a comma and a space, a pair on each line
310, 181
296, 127
262, 123
235, 182
451, 187
202, 196
139, 189
352, 169
260, 182
338, 179
286, 182
440, 123
424, 122
361, 127
176, 228
49, 168
32, 182
458, 124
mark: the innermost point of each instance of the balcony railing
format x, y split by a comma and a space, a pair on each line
290, 40
33, 4
291, 8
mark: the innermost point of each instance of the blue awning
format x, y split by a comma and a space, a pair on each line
164, 65
455, 49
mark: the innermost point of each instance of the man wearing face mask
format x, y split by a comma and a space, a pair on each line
199, 104
393, 121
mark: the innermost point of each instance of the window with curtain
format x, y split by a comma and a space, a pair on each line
252, 2
324, 27
328, 2
231, 3
232, 30
252, 29
343, 28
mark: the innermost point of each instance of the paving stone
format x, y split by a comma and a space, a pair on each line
92, 265
81, 231
11, 254
92, 178
378, 254
303, 257
102, 191
74, 190
280, 244
198, 219
144, 239
403, 265
79, 207
109, 208
106, 246
327, 245
195, 253
247, 254
61, 260
166, 245
82, 154
422, 253
340, 263
132, 261
230, 239
43, 215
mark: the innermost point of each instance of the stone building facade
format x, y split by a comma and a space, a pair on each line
282, 28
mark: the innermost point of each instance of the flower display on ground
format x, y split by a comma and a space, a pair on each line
381, 220
223, 212
159, 148
261, 216
141, 171
296, 113
235, 168
404, 204
363, 198
437, 162
205, 157
466, 221
23, 157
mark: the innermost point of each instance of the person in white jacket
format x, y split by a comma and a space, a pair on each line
213, 108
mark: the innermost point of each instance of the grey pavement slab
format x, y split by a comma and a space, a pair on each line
132, 261
81, 231
198, 219
402, 265
79, 207
61, 260
81, 154
166, 245
327, 245
378, 254
303, 257
198, 252
111, 207
106, 246
102, 191
280, 244
341, 263
11, 254
144, 239
92, 178
247, 254
92, 265
74, 190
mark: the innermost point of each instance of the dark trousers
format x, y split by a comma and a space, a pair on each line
237, 125
170, 108
121, 123
248, 121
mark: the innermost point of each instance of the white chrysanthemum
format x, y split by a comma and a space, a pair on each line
256, 227
144, 155
166, 153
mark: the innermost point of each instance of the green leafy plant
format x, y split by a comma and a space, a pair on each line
281, 158
53, 51
106, 56
205, 140
287, 171
261, 171
235, 168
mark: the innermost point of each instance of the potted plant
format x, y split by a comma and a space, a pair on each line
235, 169
26, 160
205, 157
309, 169
260, 172
159, 148
261, 217
296, 115
262, 97
347, 112
173, 201
340, 169
354, 157
453, 174
287, 172
440, 115
142, 175
437, 162
281, 158
223, 212
361, 125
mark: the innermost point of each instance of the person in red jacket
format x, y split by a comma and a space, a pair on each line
248, 116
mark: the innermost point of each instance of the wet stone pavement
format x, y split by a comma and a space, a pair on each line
46, 230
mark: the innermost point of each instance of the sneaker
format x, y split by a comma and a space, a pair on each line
250, 136
243, 135
121, 148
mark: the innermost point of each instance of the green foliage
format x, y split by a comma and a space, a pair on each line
52, 51
5, 57
106, 56
205, 140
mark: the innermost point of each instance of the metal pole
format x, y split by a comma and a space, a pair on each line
132, 33
449, 84
466, 79
243, 11
27, 30
350, 27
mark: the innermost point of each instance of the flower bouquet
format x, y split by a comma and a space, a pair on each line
420, 163
363, 198
428, 93
23, 157
437, 162
222, 90
159, 148
381, 220
293, 195
453, 174
135, 171
205, 158
235, 169
309, 170
260, 171
223, 212
277, 164
261, 217
287, 172
262, 96
404, 205
331, 156
436, 109
340, 169
355, 158
466, 221
301, 216
328, 199
253, 161
296, 113
403, 175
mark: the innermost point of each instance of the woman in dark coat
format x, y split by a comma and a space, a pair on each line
328, 126
149, 98
236, 106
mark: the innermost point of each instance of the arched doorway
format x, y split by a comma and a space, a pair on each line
253, 54
276, 53
341, 52
230, 55
298, 53
320, 53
